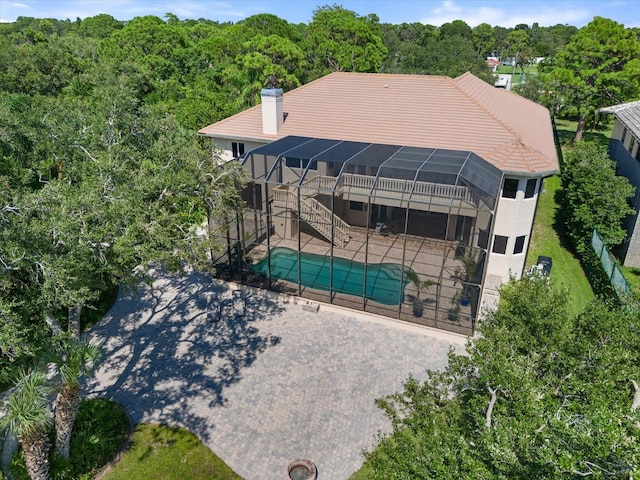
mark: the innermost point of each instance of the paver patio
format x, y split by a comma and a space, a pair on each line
265, 383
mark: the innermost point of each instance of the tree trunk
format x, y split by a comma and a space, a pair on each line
36, 450
492, 402
9, 448
74, 320
582, 124
53, 324
67, 406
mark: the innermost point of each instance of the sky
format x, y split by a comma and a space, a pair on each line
505, 13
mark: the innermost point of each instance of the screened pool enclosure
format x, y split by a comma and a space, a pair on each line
395, 230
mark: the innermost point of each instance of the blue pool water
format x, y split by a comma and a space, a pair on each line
385, 281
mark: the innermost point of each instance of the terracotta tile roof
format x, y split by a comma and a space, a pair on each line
628, 114
464, 113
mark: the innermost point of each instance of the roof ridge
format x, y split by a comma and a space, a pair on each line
454, 81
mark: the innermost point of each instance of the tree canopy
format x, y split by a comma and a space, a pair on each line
598, 67
342, 41
538, 394
594, 196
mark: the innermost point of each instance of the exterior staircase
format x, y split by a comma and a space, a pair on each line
314, 213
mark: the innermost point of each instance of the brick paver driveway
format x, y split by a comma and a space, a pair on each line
261, 388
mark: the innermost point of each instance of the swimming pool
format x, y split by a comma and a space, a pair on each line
385, 281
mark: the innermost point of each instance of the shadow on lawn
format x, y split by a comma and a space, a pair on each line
168, 354
559, 222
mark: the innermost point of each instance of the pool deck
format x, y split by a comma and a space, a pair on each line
261, 378
429, 258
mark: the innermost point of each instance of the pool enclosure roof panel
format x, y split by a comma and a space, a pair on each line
412, 164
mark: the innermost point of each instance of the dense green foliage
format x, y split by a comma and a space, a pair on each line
594, 197
98, 173
539, 394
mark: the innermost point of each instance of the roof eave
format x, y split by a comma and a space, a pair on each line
537, 174
241, 138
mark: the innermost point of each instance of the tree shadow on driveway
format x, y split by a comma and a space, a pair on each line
171, 348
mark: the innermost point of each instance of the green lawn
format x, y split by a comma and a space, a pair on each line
158, 452
548, 232
508, 69
567, 129
548, 239
632, 275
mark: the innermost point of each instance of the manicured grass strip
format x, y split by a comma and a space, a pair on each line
158, 452
548, 239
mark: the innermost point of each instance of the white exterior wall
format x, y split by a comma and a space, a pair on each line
226, 151
616, 133
513, 218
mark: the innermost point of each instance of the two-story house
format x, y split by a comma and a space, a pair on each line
386, 192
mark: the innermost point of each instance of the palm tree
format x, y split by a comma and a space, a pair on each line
74, 359
421, 286
28, 416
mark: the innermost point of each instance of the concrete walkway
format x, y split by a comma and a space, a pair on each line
262, 388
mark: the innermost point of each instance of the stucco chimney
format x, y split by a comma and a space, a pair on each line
272, 113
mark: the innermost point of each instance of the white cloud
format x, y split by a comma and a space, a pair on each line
448, 7
508, 15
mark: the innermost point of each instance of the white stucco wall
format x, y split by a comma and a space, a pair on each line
514, 218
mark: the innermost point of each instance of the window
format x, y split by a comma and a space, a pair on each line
624, 134
237, 149
293, 162
638, 154
532, 183
632, 144
510, 187
359, 206
519, 248
500, 244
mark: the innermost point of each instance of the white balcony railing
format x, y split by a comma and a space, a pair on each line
393, 187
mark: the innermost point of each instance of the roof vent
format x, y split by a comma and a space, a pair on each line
272, 113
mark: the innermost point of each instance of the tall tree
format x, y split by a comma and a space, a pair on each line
74, 358
267, 24
28, 416
600, 66
484, 39
518, 47
456, 28
270, 61
342, 41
